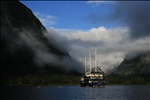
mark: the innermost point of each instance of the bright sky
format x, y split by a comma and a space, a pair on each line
71, 14
114, 28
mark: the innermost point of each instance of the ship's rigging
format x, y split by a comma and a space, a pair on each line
93, 76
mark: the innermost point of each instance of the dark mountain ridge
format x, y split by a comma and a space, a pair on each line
18, 17
134, 64
25, 49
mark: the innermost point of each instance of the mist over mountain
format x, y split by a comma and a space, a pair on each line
27, 47
134, 64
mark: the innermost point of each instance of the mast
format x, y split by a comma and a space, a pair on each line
95, 60
90, 61
85, 64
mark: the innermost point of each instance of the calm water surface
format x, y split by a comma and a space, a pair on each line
109, 92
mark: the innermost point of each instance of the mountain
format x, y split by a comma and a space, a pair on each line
134, 64
26, 45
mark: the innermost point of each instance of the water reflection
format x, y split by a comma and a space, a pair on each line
109, 92
136, 92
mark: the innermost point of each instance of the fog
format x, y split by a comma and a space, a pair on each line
43, 55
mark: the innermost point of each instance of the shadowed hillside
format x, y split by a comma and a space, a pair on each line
135, 64
25, 48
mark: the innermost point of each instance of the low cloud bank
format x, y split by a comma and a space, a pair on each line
112, 44
43, 56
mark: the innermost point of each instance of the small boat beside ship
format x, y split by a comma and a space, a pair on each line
94, 77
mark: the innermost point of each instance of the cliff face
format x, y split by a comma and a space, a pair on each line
15, 15
23, 41
135, 64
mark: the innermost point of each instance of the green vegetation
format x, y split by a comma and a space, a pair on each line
128, 80
42, 79
58, 79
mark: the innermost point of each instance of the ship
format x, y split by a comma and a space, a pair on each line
94, 77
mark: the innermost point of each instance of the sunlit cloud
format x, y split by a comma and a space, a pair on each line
97, 3
46, 20
112, 44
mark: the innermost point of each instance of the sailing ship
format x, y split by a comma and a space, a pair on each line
92, 77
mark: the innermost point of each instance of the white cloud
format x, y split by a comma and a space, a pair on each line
112, 44
46, 20
97, 3
43, 56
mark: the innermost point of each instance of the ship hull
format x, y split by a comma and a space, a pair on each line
92, 83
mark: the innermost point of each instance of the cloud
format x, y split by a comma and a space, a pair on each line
46, 20
97, 3
43, 56
112, 44
131, 34
134, 15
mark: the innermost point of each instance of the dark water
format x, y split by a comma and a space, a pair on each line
109, 92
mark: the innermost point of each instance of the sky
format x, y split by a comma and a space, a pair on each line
113, 28
69, 14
